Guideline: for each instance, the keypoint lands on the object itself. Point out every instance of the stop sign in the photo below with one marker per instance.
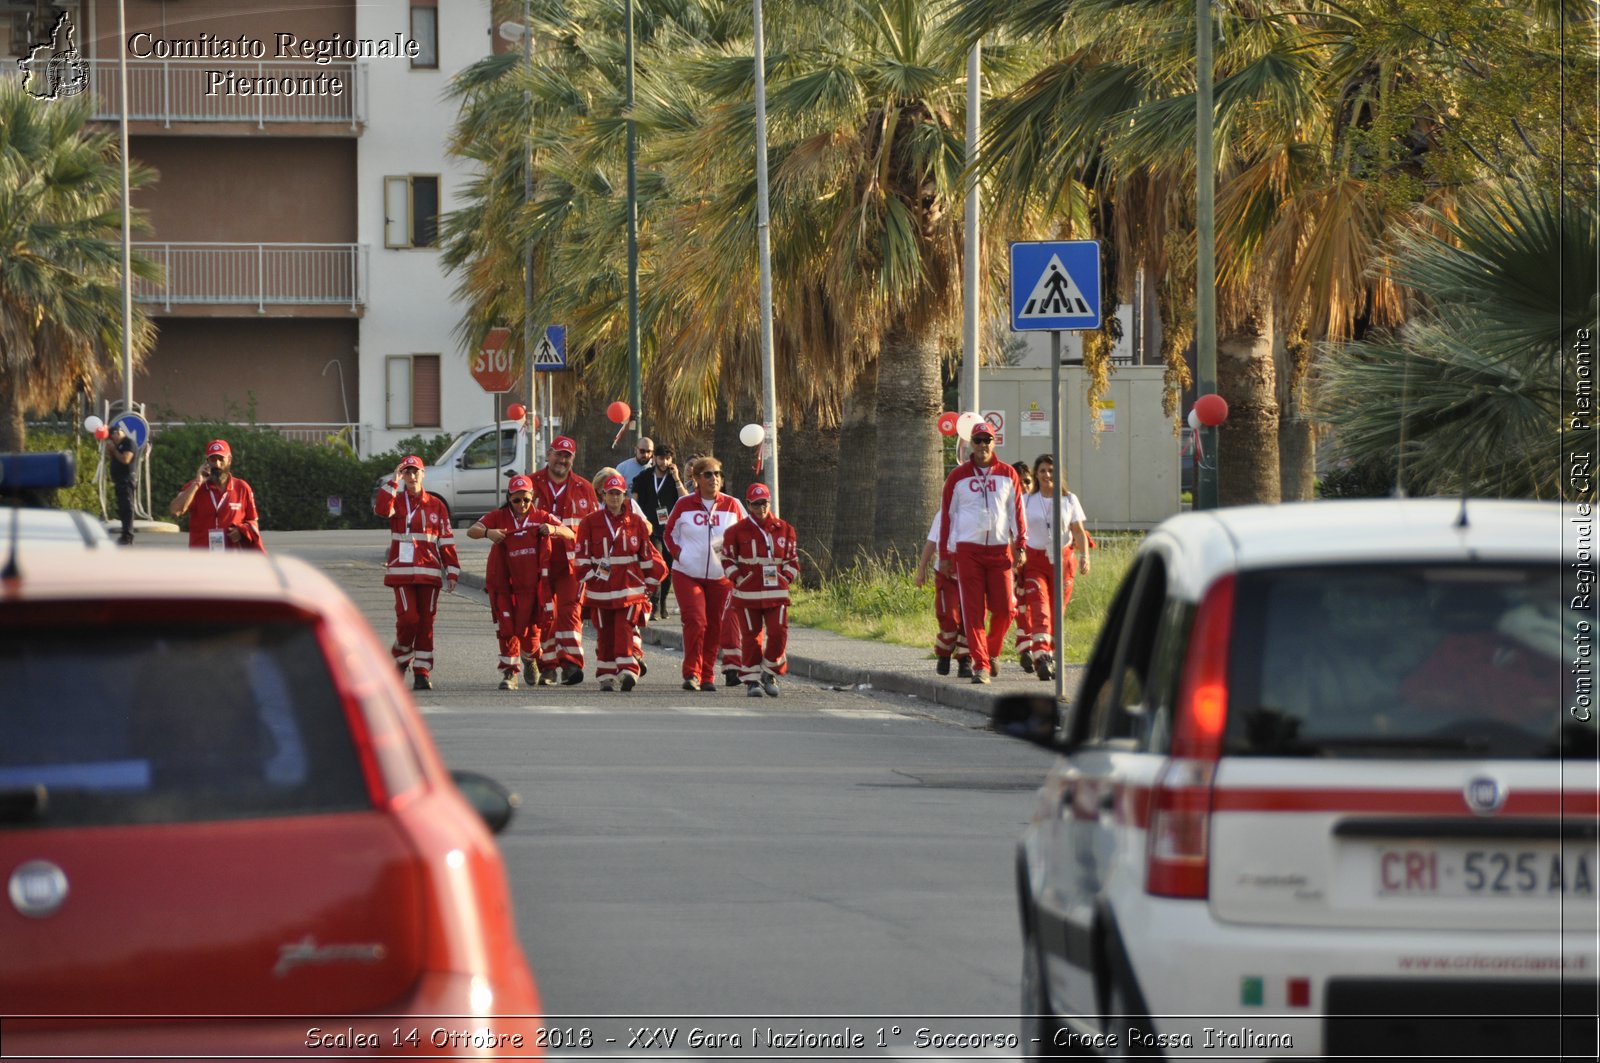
(492, 367)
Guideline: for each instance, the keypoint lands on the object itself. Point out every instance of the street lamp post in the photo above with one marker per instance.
(635, 383)
(1205, 272)
(769, 386)
(512, 32)
(127, 213)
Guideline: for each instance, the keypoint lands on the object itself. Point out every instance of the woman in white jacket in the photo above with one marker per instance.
(694, 535)
(1046, 513)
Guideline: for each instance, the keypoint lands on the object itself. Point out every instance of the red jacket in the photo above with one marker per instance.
(423, 523)
(572, 501)
(982, 505)
(232, 506)
(762, 559)
(618, 563)
(517, 562)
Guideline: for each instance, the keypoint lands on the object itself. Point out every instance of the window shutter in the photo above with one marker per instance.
(425, 387)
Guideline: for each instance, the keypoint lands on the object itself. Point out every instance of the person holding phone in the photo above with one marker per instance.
(221, 507)
(422, 558)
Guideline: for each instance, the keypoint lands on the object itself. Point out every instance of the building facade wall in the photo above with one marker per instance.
(223, 368)
(411, 308)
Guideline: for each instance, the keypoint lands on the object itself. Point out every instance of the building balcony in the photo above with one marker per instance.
(282, 279)
(233, 97)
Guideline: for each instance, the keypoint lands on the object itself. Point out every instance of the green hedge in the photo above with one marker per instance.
(292, 481)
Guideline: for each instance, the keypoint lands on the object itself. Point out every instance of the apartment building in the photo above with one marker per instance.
(301, 152)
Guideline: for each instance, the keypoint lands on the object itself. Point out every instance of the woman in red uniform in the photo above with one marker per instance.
(762, 559)
(694, 535)
(422, 556)
(516, 569)
(620, 568)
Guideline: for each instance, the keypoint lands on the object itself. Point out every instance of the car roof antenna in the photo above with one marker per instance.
(12, 573)
(1399, 490)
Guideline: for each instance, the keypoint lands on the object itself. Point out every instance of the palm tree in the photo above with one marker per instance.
(61, 267)
(1475, 394)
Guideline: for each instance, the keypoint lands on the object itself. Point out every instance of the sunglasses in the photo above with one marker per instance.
(522, 500)
(711, 472)
(758, 503)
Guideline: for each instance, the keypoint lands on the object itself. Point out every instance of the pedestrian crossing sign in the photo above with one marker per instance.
(550, 353)
(1055, 285)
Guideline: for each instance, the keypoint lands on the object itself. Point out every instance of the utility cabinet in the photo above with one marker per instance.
(1127, 474)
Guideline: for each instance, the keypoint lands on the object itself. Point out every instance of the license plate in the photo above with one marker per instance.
(1485, 871)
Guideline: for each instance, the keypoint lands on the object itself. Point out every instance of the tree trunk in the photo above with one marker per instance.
(13, 430)
(856, 498)
(808, 456)
(1297, 441)
(738, 460)
(910, 396)
(1247, 447)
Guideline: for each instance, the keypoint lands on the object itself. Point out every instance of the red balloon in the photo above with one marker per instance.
(947, 423)
(102, 432)
(619, 412)
(1211, 409)
(516, 411)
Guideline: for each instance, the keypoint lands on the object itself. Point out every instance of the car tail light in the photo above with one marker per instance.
(387, 757)
(1179, 844)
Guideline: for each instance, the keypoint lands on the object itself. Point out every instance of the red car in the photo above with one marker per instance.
(224, 827)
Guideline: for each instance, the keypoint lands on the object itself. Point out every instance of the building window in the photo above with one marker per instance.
(413, 391)
(411, 211)
(425, 31)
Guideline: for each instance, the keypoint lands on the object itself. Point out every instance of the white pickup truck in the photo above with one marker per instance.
(465, 476)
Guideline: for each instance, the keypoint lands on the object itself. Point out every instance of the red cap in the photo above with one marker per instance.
(614, 483)
(411, 461)
(520, 483)
(984, 428)
(564, 443)
(758, 491)
(219, 446)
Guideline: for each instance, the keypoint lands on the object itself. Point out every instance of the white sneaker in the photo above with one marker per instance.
(770, 685)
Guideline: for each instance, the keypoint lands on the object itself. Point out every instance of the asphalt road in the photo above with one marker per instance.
(681, 861)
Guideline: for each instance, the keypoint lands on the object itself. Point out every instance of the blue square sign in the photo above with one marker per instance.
(1055, 285)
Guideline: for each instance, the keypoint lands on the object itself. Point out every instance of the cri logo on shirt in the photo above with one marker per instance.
(702, 520)
(978, 486)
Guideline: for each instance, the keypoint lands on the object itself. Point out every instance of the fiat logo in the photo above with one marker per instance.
(1484, 795)
(37, 888)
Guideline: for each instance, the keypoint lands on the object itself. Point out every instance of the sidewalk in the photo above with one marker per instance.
(824, 657)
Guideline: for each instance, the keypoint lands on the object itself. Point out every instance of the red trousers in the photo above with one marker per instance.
(984, 573)
(701, 604)
(516, 626)
(415, 605)
(563, 629)
(732, 656)
(616, 634)
(952, 638)
(762, 656)
(1038, 623)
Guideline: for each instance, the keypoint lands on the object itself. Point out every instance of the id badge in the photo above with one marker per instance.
(662, 514)
(408, 553)
(217, 539)
(602, 570)
(769, 575)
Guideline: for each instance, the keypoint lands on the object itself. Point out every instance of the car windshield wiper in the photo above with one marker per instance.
(22, 803)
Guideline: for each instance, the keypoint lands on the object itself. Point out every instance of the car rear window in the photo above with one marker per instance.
(171, 724)
(1426, 661)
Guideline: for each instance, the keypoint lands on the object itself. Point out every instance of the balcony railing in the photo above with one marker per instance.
(262, 274)
(262, 92)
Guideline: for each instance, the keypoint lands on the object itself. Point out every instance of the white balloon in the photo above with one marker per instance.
(752, 435)
(1194, 419)
(965, 424)
(91, 422)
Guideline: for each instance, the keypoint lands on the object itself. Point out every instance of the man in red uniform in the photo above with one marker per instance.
(984, 531)
(515, 574)
(422, 556)
(221, 507)
(620, 568)
(571, 498)
(761, 557)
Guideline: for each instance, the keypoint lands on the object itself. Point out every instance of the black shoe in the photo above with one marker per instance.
(942, 665)
(1046, 670)
(402, 670)
(420, 681)
(1027, 662)
(730, 678)
(547, 678)
(628, 682)
(124, 540)
(530, 674)
(708, 686)
(644, 669)
(994, 670)
(571, 675)
(964, 668)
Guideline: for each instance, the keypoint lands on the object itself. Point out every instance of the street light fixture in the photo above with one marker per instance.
(522, 33)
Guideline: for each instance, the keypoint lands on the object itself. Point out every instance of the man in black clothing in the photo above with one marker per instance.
(120, 456)
(657, 489)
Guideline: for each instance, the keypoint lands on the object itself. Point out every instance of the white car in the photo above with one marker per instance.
(1328, 788)
(51, 528)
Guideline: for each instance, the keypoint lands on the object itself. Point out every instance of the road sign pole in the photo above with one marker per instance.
(1059, 457)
